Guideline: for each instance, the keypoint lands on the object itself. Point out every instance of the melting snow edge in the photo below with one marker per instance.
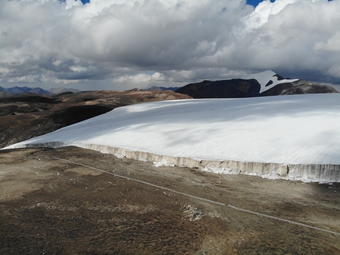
(325, 173)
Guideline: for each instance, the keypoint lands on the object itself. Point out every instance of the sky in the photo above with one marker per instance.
(125, 44)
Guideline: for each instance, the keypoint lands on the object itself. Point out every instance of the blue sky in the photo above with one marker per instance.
(255, 2)
(122, 44)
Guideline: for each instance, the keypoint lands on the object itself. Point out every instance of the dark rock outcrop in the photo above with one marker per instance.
(222, 89)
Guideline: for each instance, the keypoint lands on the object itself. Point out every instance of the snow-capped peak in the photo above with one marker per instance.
(268, 79)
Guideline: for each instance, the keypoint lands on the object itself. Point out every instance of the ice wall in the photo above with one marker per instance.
(301, 172)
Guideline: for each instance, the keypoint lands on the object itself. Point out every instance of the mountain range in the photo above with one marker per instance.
(267, 83)
(20, 90)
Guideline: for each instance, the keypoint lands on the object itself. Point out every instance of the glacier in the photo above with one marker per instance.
(293, 137)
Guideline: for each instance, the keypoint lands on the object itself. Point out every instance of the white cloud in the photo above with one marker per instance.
(332, 44)
(140, 80)
(263, 11)
(111, 43)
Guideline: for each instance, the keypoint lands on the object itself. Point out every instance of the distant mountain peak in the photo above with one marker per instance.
(63, 90)
(268, 79)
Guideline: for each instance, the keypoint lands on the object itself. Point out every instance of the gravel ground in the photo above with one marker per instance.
(92, 203)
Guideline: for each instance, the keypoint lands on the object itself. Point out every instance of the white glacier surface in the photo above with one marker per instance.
(271, 135)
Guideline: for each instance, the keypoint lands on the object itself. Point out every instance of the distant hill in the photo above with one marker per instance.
(20, 90)
(61, 90)
(267, 83)
(163, 88)
(4, 94)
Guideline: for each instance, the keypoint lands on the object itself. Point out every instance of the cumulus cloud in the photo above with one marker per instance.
(114, 44)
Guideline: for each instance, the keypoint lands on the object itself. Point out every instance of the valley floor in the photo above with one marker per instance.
(76, 201)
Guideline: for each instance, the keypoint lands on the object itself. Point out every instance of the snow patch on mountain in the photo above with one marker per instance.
(268, 79)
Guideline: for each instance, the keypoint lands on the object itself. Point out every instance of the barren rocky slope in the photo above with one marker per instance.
(29, 115)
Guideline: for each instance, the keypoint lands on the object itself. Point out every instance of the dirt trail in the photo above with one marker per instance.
(53, 206)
